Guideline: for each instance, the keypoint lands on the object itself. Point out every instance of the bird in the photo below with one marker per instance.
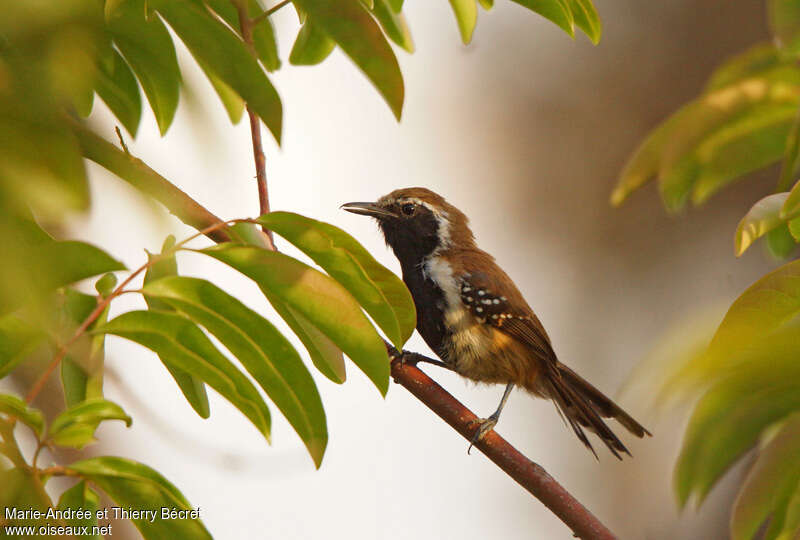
(473, 316)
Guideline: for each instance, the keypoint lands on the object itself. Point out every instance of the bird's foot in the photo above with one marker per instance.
(485, 425)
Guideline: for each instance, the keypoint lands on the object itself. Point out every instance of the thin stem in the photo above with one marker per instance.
(103, 303)
(270, 11)
(246, 25)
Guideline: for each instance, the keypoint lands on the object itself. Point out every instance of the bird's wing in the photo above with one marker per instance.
(498, 303)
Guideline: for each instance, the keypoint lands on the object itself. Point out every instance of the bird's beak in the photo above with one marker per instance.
(367, 209)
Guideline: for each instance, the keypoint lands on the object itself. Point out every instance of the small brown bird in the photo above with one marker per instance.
(472, 316)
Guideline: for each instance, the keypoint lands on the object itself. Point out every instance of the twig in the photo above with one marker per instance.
(122, 141)
(270, 11)
(103, 303)
(527, 473)
(246, 24)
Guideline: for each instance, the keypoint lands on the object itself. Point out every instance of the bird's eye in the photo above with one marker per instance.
(408, 209)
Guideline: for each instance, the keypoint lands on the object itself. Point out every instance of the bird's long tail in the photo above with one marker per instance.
(584, 406)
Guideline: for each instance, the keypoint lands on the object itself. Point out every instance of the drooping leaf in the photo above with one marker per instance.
(13, 406)
(192, 387)
(466, 12)
(770, 484)
(311, 46)
(587, 19)
(233, 103)
(105, 285)
(393, 24)
(147, 46)
(382, 294)
(263, 33)
(486, 4)
(81, 498)
(18, 339)
(229, 59)
(319, 299)
(700, 147)
(324, 353)
(117, 87)
(730, 417)
(791, 157)
(784, 22)
(76, 426)
(794, 229)
(752, 62)
(759, 220)
(21, 491)
(763, 308)
(178, 340)
(82, 366)
(557, 11)
(743, 146)
(134, 485)
(791, 208)
(396, 5)
(259, 346)
(354, 30)
(780, 242)
(49, 265)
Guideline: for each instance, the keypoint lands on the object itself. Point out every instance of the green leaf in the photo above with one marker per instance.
(233, 103)
(147, 46)
(700, 146)
(791, 208)
(311, 46)
(466, 12)
(791, 157)
(794, 229)
(82, 367)
(763, 308)
(324, 353)
(263, 33)
(761, 388)
(134, 485)
(259, 346)
(393, 24)
(396, 5)
(105, 285)
(486, 4)
(75, 427)
(752, 62)
(587, 19)
(770, 484)
(784, 22)
(742, 146)
(117, 87)
(354, 30)
(21, 491)
(13, 406)
(228, 58)
(192, 388)
(81, 498)
(780, 242)
(178, 340)
(557, 11)
(319, 299)
(759, 220)
(382, 294)
(18, 339)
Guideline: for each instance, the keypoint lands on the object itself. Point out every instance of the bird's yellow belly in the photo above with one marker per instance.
(485, 354)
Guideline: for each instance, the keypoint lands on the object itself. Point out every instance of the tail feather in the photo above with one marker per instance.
(584, 406)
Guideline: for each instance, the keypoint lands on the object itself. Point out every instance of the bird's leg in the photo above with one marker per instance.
(407, 357)
(486, 424)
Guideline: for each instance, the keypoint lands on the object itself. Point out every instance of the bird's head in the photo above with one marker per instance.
(416, 222)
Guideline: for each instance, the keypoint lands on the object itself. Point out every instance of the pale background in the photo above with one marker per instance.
(524, 130)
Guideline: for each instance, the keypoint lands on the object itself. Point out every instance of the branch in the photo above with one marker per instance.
(527, 473)
(246, 24)
(139, 175)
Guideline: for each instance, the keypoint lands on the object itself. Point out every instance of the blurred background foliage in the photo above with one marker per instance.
(748, 375)
(56, 58)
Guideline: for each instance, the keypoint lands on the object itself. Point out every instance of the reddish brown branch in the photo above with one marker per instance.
(527, 473)
(246, 25)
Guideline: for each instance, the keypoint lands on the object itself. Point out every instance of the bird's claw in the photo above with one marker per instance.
(485, 425)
